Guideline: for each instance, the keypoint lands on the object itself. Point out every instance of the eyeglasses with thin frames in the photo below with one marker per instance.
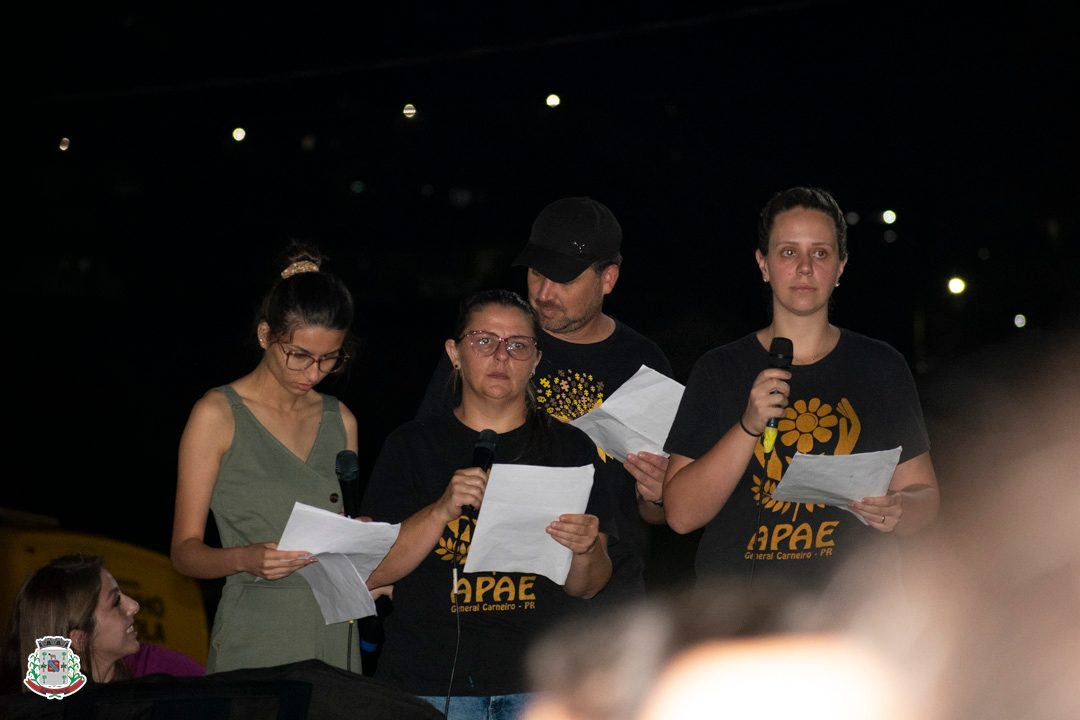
(484, 344)
(300, 360)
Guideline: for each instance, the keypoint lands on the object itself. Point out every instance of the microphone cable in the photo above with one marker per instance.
(483, 457)
(348, 648)
(753, 558)
(457, 621)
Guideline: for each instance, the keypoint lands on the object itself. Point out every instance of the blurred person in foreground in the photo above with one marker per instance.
(998, 605)
(715, 650)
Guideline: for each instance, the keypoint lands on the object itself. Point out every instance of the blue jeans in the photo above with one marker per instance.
(481, 707)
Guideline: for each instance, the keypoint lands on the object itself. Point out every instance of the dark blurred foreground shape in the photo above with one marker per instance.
(307, 690)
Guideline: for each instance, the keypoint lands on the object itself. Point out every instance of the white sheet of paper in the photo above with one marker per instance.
(338, 588)
(837, 479)
(348, 550)
(637, 417)
(519, 503)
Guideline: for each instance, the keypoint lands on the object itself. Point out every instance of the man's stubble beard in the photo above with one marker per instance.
(564, 324)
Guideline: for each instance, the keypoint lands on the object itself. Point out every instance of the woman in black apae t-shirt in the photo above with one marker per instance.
(844, 394)
(470, 645)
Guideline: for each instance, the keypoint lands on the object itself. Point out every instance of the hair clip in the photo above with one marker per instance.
(300, 266)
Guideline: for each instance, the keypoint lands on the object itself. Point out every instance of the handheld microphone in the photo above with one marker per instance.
(482, 457)
(781, 351)
(347, 467)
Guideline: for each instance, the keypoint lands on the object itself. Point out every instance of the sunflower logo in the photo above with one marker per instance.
(806, 422)
(764, 484)
(762, 490)
(454, 546)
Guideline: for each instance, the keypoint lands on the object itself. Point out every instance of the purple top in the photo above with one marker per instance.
(151, 659)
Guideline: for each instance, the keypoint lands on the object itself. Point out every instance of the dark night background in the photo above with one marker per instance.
(135, 259)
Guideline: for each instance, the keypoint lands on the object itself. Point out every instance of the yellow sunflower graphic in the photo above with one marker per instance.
(764, 484)
(762, 490)
(806, 422)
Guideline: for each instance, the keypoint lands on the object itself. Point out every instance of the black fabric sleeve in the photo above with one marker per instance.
(631, 346)
(698, 422)
(660, 363)
(606, 476)
(910, 423)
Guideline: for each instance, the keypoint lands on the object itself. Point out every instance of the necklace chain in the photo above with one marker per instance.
(818, 355)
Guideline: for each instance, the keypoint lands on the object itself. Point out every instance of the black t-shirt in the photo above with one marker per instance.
(858, 398)
(500, 612)
(572, 379)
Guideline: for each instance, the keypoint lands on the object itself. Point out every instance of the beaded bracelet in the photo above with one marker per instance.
(747, 430)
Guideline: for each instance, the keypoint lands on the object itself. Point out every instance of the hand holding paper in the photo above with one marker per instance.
(576, 531)
(648, 470)
(837, 479)
(348, 550)
(637, 416)
(519, 504)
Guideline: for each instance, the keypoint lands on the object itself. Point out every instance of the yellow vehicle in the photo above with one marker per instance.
(172, 611)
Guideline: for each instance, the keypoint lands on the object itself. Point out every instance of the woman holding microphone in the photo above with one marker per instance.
(458, 640)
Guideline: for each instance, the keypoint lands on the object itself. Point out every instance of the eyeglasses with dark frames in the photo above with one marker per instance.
(484, 344)
(299, 360)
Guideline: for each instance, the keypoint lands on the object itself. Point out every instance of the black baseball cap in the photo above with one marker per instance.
(568, 236)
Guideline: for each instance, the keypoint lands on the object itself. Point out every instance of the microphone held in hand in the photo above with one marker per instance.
(483, 456)
(781, 351)
(484, 450)
(347, 467)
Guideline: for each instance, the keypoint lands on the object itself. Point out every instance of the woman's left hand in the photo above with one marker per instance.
(577, 532)
(881, 513)
(382, 591)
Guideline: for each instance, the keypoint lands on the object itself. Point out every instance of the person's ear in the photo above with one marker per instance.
(79, 639)
(263, 334)
(452, 353)
(761, 265)
(608, 277)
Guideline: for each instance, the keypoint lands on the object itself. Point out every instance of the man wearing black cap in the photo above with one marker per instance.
(573, 257)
